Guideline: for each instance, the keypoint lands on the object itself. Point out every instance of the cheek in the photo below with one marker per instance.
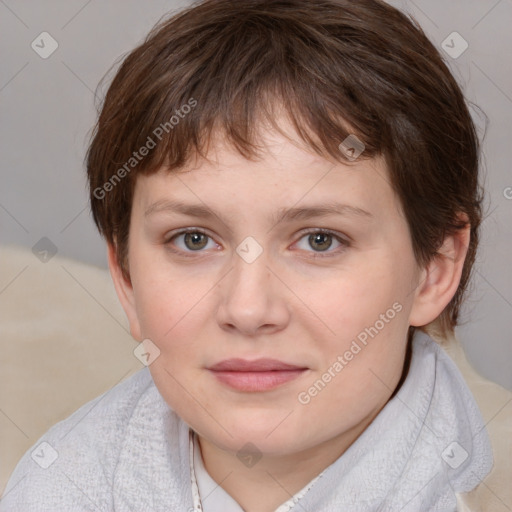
(168, 301)
(171, 316)
(365, 322)
(355, 300)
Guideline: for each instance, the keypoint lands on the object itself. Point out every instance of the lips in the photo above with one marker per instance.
(258, 375)
(258, 365)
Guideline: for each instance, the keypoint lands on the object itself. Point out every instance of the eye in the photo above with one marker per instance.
(194, 240)
(321, 240)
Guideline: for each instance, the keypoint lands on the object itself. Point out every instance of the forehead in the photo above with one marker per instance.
(286, 173)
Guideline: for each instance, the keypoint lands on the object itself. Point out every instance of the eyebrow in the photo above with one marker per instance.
(281, 215)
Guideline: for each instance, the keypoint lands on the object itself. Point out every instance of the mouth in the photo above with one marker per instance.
(257, 375)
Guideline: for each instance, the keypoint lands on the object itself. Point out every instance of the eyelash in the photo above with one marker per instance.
(314, 254)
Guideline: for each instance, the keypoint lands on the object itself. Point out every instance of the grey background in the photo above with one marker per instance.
(47, 110)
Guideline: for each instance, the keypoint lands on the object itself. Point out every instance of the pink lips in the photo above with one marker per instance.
(257, 375)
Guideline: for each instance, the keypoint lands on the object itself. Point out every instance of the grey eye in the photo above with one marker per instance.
(322, 241)
(195, 240)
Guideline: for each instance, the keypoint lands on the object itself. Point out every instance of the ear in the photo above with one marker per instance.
(124, 292)
(440, 279)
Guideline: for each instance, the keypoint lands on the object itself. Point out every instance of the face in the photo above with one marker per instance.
(303, 261)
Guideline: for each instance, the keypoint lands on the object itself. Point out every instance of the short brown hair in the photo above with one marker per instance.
(338, 67)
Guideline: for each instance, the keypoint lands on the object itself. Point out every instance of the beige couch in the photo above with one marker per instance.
(65, 340)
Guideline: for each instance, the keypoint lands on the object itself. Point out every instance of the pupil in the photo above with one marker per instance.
(195, 237)
(318, 237)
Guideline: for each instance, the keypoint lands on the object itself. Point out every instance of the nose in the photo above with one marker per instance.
(253, 298)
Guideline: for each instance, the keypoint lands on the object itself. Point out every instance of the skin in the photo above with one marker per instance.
(212, 305)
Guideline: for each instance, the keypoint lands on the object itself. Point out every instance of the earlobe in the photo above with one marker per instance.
(124, 292)
(440, 279)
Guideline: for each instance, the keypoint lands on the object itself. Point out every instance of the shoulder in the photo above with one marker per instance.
(71, 467)
(495, 404)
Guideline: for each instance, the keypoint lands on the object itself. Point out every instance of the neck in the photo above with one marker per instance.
(280, 477)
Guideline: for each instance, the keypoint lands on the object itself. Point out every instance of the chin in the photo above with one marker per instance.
(264, 436)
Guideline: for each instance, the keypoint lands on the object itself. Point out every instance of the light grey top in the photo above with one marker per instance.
(126, 450)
